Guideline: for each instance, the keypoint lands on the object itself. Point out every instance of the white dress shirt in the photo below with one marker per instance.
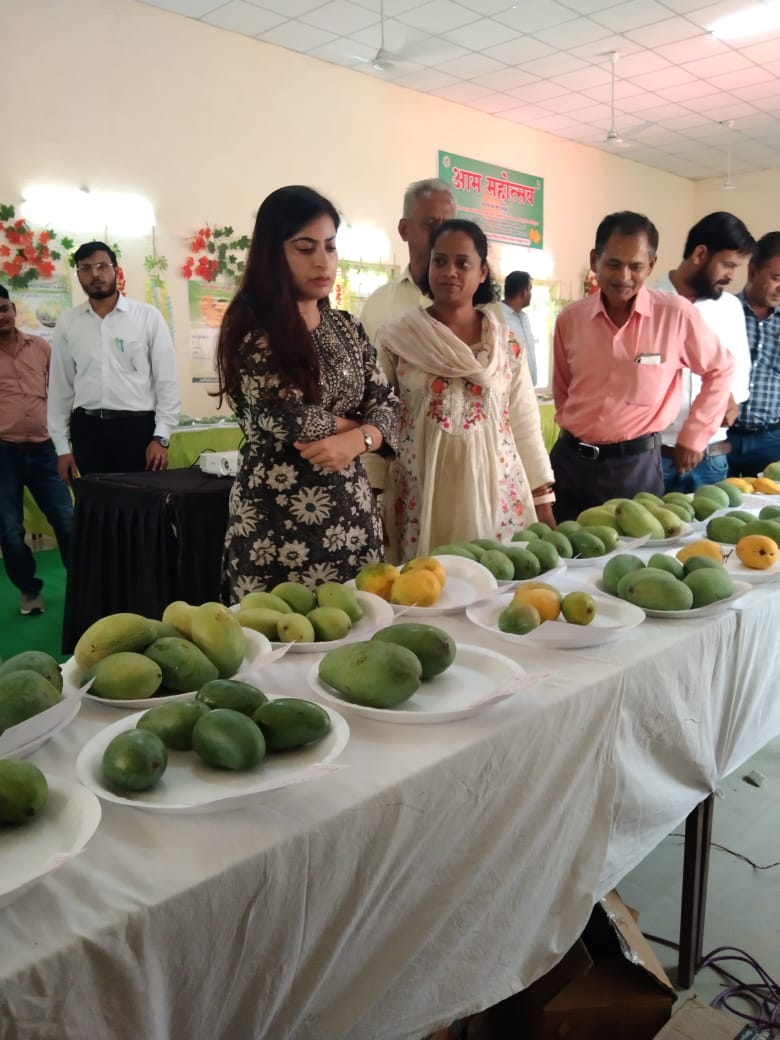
(124, 362)
(519, 324)
(390, 302)
(724, 316)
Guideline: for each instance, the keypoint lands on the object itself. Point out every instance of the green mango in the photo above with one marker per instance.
(499, 564)
(561, 543)
(733, 493)
(705, 505)
(434, 648)
(23, 694)
(669, 520)
(772, 471)
(766, 513)
(524, 536)
(329, 623)
(608, 535)
(179, 616)
(265, 601)
(231, 693)
(568, 527)
(113, 634)
(174, 723)
(453, 550)
(539, 527)
(716, 493)
(586, 545)
(34, 661)
(616, 567)
(333, 594)
(299, 597)
(635, 521)
(685, 513)
(24, 791)
(289, 722)
(376, 673)
(742, 514)
(597, 516)
(648, 498)
(161, 629)
(725, 529)
(708, 585)
(698, 563)
(134, 760)
(184, 667)
(546, 554)
(667, 563)
(218, 633)
(655, 589)
(771, 528)
(525, 564)
(296, 628)
(262, 620)
(519, 618)
(126, 676)
(484, 543)
(228, 739)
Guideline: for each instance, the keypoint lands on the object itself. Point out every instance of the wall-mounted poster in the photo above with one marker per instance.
(208, 303)
(507, 205)
(40, 304)
(356, 280)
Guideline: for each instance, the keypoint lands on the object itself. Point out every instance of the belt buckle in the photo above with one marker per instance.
(593, 448)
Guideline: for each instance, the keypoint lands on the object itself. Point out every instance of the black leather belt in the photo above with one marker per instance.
(756, 429)
(111, 413)
(718, 448)
(636, 446)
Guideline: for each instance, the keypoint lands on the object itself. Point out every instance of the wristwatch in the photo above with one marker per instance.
(162, 441)
(368, 440)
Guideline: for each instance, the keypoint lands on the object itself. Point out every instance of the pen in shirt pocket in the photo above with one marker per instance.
(120, 345)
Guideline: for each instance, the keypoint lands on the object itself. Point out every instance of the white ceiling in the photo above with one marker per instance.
(544, 64)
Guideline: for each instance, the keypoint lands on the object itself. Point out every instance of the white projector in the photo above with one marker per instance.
(219, 463)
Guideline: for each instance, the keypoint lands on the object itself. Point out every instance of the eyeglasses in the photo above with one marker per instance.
(97, 268)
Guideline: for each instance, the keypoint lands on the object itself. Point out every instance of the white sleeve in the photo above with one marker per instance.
(165, 377)
(737, 343)
(59, 405)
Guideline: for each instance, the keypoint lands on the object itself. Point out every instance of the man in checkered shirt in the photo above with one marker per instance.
(755, 436)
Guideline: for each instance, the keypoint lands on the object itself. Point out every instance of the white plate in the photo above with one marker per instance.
(614, 617)
(476, 679)
(257, 647)
(740, 588)
(739, 571)
(659, 543)
(32, 850)
(24, 738)
(554, 572)
(377, 613)
(189, 786)
(467, 582)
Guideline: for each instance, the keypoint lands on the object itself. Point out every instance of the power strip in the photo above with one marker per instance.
(219, 463)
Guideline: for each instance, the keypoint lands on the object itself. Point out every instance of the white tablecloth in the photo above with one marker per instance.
(443, 869)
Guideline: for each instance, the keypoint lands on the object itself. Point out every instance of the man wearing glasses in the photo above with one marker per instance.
(114, 394)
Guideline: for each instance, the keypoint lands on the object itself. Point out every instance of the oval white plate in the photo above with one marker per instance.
(740, 588)
(189, 786)
(377, 613)
(32, 850)
(257, 647)
(468, 686)
(467, 581)
(21, 740)
(739, 571)
(554, 572)
(659, 543)
(614, 617)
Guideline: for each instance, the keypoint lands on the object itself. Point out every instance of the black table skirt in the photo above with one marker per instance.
(142, 540)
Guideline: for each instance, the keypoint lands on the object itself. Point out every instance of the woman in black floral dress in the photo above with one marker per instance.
(310, 398)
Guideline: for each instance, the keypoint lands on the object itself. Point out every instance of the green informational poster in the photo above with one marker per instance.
(40, 304)
(507, 205)
(208, 303)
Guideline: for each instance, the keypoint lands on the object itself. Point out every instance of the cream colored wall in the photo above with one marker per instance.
(205, 123)
(756, 200)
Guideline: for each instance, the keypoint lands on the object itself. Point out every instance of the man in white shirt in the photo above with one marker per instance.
(715, 248)
(113, 388)
(427, 204)
(518, 289)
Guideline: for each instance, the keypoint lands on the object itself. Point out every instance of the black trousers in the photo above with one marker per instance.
(581, 483)
(116, 445)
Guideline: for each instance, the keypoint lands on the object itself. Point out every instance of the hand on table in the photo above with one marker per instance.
(156, 456)
(67, 469)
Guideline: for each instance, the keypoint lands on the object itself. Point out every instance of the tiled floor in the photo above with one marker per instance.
(743, 904)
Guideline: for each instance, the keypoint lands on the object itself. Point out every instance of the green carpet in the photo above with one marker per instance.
(36, 631)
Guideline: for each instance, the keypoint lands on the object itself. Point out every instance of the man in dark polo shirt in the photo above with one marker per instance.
(114, 392)
(27, 455)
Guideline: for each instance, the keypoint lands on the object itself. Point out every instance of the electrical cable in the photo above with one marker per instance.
(762, 997)
(738, 855)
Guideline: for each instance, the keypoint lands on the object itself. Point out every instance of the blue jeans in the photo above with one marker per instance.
(751, 453)
(33, 466)
(709, 471)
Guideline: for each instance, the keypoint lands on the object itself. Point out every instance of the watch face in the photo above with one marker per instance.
(163, 441)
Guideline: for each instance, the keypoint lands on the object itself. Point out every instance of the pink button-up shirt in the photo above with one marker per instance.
(24, 377)
(613, 384)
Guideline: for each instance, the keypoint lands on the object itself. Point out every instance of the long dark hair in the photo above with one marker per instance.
(485, 292)
(266, 303)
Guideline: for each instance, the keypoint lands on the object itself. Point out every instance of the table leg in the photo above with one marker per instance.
(698, 832)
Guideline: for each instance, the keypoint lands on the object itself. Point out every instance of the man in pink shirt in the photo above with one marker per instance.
(618, 361)
(27, 455)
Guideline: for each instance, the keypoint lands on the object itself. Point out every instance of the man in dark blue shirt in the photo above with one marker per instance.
(755, 436)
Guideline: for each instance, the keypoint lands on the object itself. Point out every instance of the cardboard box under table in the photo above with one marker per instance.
(697, 1021)
(609, 986)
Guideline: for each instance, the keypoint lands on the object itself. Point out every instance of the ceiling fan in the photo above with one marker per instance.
(410, 54)
(613, 138)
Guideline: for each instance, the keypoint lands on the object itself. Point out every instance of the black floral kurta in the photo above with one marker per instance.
(290, 520)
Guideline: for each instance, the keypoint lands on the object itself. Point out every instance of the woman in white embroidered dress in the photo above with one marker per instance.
(471, 461)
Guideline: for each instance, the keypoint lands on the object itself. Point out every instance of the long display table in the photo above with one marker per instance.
(443, 868)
